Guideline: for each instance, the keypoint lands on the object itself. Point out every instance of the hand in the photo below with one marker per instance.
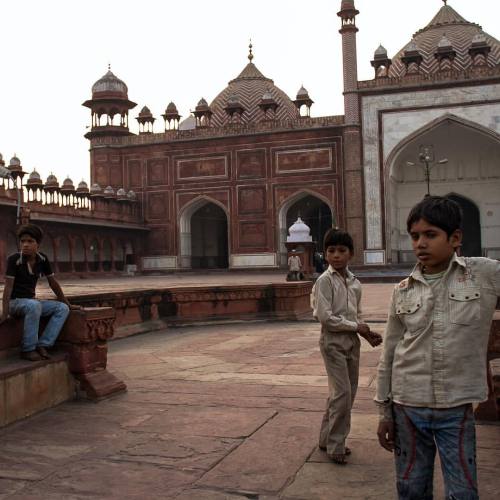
(385, 433)
(374, 339)
(363, 329)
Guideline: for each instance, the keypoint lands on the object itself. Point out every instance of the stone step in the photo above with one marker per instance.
(27, 387)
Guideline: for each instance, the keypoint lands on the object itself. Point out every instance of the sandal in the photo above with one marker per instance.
(338, 458)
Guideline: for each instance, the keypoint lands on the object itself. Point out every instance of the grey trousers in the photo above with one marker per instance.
(340, 353)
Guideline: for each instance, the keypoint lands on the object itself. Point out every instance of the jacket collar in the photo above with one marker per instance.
(333, 271)
(417, 274)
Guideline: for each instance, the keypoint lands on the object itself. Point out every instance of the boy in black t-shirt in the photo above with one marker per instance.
(23, 270)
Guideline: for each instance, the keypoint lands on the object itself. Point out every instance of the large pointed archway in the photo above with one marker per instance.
(312, 209)
(204, 235)
(471, 173)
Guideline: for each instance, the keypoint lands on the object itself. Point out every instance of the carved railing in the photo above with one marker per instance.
(429, 79)
(72, 205)
(228, 130)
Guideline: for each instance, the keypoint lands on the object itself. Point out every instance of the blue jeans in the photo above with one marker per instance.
(418, 431)
(32, 310)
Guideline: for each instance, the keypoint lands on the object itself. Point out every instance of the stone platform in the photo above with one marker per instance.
(222, 412)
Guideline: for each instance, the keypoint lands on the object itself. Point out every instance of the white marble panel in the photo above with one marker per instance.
(159, 262)
(252, 260)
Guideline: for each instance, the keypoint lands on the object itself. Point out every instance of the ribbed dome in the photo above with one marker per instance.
(381, 51)
(67, 186)
(34, 180)
(51, 180)
(459, 32)
(15, 162)
(145, 112)
(249, 86)
(82, 189)
(95, 189)
(109, 192)
(110, 84)
(171, 108)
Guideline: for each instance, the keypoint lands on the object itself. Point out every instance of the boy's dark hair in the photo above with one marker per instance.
(335, 236)
(439, 211)
(31, 230)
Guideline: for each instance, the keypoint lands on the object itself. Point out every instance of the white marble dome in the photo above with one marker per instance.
(299, 232)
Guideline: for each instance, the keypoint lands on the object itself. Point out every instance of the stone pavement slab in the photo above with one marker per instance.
(221, 412)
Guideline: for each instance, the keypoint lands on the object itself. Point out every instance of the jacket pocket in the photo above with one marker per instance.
(465, 306)
(411, 314)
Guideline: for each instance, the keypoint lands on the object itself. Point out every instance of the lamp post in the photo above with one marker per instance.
(426, 157)
(5, 173)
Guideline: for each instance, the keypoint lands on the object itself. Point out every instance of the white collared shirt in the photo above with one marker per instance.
(336, 301)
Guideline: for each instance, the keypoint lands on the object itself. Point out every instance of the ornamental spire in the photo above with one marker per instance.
(250, 54)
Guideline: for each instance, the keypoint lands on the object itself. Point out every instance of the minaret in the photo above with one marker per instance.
(352, 167)
(348, 31)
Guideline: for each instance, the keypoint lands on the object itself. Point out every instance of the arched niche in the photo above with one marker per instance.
(471, 172)
(93, 255)
(204, 237)
(64, 255)
(107, 255)
(313, 209)
(79, 259)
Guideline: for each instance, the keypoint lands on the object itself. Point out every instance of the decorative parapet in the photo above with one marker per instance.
(232, 129)
(429, 79)
(74, 209)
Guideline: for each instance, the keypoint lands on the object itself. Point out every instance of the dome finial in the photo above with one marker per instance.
(445, 2)
(250, 54)
(109, 66)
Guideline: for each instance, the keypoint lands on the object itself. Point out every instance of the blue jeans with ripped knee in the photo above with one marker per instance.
(418, 432)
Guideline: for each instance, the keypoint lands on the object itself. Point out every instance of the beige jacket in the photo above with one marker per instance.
(436, 339)
(336, 302)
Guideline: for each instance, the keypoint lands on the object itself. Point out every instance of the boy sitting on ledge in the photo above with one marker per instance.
(23, 270)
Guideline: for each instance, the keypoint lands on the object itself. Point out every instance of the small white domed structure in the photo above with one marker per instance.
(299, 232)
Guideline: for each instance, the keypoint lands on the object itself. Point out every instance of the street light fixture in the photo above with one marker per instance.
(5, 173)
(426, 157)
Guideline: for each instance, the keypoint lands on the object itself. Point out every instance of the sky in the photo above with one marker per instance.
(52, 51)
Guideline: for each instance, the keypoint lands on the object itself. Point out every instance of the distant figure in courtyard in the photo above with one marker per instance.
(294, 267)
(21, 277)
(335, 299)
(433, 365)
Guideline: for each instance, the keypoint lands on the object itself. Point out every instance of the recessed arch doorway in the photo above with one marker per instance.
(471, 176)
(313, 210)
(204, 235)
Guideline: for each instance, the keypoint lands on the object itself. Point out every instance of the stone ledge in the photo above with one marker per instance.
(190, 305)
(29, 387)
(83, 340)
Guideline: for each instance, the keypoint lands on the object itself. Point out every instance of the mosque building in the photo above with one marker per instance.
(220, 188)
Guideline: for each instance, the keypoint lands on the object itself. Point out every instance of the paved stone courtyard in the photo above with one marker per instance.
(214, 412)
